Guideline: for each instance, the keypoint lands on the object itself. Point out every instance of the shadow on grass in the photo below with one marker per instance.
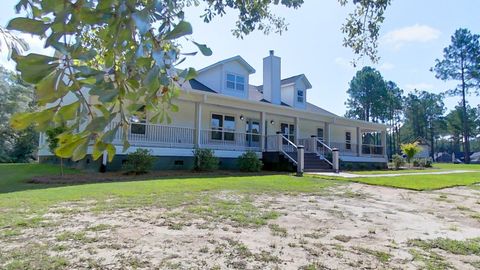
(22, 177)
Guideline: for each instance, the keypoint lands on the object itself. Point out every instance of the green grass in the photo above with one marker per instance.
(416, 182)
(18, 198)
(437, 167)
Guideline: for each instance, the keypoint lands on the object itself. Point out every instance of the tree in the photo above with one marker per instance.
(423, 117)
(461, 63)
(410, 150)
(15, 96)
(126, 53)
(365, 91)
(454, 120)
(53, 140)
(393, 113)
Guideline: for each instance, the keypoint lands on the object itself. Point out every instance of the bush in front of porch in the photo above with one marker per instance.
(249, 162)
(205, 159)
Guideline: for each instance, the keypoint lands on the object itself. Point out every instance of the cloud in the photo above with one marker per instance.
(419, 86)
(35, 45)
(410, 34)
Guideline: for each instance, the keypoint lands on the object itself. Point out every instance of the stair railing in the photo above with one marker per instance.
(320, 150)
(299, 149)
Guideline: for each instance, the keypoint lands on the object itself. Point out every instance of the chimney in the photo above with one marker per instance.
(271, 78)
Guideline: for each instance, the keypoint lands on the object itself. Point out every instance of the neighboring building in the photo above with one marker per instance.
(221, 110)
(475, 158)
(425, 148)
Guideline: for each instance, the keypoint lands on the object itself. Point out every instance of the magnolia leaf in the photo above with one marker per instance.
(141, 20)
(203, 49)
(174, 108)
(97, 124)
(21, 121)
(27, 25)
(181, 29)
(111, 151)
(109, 136)
(105, 95)
(68, 144)
(68, 112)
(81, 150)
(189, 74)
(50, 88)
(98, 149)
(34, 67)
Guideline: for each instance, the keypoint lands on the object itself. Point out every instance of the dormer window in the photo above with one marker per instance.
(300, 96)
(235, 82)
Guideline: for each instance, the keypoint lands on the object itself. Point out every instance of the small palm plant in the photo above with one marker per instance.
(410, 150)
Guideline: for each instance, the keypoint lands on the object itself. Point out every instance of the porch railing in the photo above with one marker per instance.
(230, 140)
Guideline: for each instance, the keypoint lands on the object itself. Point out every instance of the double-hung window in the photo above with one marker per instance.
(223, 127)
(348, 140)
(235, 82)
(139, 127)
(300, 96)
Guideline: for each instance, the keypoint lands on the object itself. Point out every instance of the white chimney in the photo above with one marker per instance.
(271, 78)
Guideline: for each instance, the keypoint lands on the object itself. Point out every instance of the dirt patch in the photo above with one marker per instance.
(349, 227)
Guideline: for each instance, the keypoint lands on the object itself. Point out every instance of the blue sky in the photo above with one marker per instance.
(412, 37)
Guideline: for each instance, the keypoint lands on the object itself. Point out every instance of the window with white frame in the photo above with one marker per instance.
(300, 96)
(235, 82)
(223, 127)
(348, 140)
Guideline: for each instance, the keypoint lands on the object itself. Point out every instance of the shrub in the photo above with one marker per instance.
(249, 162)
(139, 162)
(398, 161)
(423, 162)
(205, 160)
(410, 150)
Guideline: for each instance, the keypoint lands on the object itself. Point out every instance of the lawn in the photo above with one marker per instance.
(438, 167)
(19, 199)
(416, 182)
(205, 221)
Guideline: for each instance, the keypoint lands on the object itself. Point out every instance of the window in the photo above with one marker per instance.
(223, 127)
(320, 134)
(289, 131)
(252, 128)
(139, 127)
(235, 82)
(300, 96)
(348, 140)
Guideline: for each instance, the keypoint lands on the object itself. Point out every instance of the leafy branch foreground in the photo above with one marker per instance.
(117, 56)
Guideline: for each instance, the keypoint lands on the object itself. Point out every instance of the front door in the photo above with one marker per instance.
(252, 128)
(288, 130)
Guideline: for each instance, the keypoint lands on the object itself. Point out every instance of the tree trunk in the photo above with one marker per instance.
(61, 166)
(432, 142)
(466, 142)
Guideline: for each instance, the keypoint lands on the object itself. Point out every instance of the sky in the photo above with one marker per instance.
(412, 37)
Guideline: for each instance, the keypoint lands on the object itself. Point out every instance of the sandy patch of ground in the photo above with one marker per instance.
(351, 226)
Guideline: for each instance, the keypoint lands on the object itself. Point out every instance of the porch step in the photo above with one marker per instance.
(313, 163)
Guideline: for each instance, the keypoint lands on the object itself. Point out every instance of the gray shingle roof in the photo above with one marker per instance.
(282, 82)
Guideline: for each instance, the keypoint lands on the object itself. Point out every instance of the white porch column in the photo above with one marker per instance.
(263, 135)
(297, 130)
(384, 143)
(198, 124)
(359, 141)
(326, 136)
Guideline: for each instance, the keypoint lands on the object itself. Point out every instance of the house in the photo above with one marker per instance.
(425, 148)
(220, 109)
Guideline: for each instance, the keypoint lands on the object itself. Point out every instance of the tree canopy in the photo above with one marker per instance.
(461, 62)
(125, 53)
(366, 89)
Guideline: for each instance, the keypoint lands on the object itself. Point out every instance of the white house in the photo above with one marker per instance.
(222, 111)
